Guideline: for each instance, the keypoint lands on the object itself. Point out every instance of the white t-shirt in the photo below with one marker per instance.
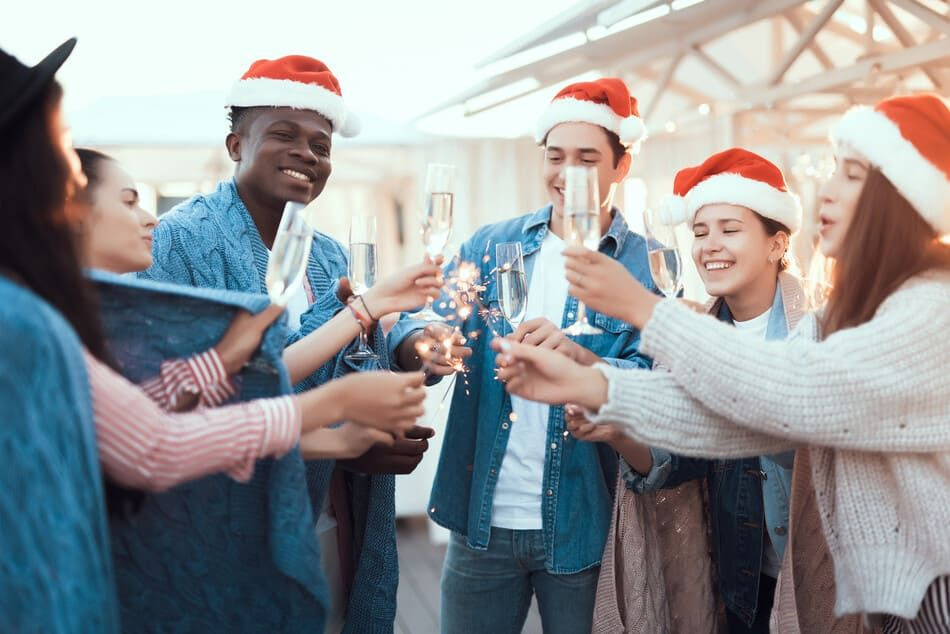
(517, 503)
(757, 327)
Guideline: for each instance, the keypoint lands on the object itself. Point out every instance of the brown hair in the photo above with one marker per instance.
(772, 227)
(887, 243)
(37, 243)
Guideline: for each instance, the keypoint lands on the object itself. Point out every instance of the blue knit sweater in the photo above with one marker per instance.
(211, 241)
(55, 569)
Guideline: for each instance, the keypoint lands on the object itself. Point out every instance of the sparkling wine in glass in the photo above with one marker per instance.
(437, 220)
(290, 254)
(666, 265)
(362, 273)
(581, 227)
(512, 282)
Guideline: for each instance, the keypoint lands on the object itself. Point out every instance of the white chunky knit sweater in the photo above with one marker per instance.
(872, 402)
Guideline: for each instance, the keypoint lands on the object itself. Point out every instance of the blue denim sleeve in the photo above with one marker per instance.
(668, 471)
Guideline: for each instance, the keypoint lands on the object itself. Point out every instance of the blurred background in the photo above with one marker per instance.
(463, 83)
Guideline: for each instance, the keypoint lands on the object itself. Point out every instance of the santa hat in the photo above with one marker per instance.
(908, 139)
(605, 102)
(733, 177)
(295, 81)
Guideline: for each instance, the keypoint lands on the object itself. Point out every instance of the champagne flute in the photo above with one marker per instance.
(581, 227)
(291, 252)
(362, 272)
(511, 282)
(666, 266)
(437, 221)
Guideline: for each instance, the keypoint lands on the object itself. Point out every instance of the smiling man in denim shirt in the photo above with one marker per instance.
(529, 506)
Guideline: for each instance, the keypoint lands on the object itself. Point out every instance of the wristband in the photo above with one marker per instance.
(359, 317)
(366, 308)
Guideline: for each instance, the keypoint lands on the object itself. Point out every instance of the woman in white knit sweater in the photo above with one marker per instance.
(864, 384)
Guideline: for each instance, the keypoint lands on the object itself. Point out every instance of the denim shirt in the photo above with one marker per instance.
(579, 477)
(742, 495)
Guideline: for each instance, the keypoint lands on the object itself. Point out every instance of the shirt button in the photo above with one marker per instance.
(780, 530)
(566, 433)
(553, 445)
(550, 492)
(504, 425)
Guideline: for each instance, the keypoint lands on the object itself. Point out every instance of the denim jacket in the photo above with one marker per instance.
(579, 477)
(744, 495)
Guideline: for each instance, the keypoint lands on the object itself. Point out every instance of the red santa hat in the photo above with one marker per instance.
(605, 102)
(908, 139)
(295, 81)
(735, 177)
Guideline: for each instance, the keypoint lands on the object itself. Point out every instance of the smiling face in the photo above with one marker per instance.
(839, 199)
(732, 250)
(583, 144)
(117, 232)
(282, 154)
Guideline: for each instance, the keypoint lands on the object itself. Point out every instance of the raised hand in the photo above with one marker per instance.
(606, 286)
(543, 333)
(243, 337)
(385, 400)
(400, 457)
(583, 429)
(547, 376)
(345, 441)
(441, 349)
(406, 289)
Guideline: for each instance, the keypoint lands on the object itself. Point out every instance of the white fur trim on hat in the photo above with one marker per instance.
(918, 180)
(568, 110)
(285, 93)
(673, 210)
(733, 189)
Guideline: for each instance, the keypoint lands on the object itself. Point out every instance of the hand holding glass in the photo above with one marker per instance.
(511, 282)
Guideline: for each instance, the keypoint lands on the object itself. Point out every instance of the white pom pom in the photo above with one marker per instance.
(632, 130)
(351, 124)
(673, 211)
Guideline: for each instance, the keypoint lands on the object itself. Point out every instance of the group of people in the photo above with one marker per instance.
(709, 469)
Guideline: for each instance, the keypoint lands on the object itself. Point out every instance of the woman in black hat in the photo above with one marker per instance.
(60, 397)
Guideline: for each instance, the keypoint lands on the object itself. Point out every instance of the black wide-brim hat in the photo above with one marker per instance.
(21, 85)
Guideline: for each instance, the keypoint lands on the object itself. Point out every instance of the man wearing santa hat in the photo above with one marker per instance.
(528, 505)
(283, 114)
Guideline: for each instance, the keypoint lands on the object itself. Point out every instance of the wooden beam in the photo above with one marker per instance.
(661, 86)
(714, 66)
(925, 14)
(813, 46)
(842, 77)
(694, 95)
(843, 31)
(903, 36)
(804, 40)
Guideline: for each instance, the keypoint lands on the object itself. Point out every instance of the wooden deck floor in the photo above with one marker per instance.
(420, 567)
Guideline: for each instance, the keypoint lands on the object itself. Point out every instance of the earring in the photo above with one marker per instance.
(771, 260)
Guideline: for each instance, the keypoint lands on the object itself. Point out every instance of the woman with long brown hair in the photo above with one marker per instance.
(862, 385)
(58, 391)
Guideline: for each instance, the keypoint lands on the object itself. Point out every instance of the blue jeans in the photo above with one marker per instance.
(490, 590)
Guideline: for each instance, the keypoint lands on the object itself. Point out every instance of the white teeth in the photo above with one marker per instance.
(717, 266)
(297, 175)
